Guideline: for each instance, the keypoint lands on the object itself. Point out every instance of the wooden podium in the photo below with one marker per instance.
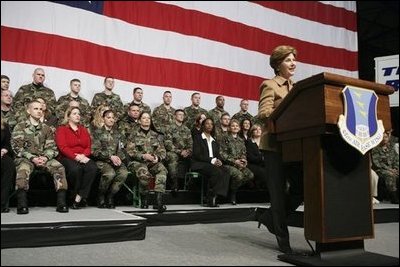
(338, 212)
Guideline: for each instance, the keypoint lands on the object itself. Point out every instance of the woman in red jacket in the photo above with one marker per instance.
(74, 143)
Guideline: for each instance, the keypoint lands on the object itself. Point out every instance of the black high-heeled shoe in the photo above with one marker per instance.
(265, 218)
(258, 213)
(284, 245)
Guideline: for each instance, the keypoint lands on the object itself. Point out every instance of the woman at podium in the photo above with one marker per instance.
(272, 92)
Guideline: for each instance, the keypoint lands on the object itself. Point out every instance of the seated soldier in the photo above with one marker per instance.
(178, 143)
(130, 123)
(108, 151)
(385, 162)
(147, 154)
(233, 154)
(35, 148)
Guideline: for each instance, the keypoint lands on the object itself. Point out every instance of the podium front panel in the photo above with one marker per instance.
(337, 200)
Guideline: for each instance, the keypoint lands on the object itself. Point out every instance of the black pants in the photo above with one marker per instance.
(7, 178)
(276, 188)
(293, 173)
(260, 174)
(217, 177)
(283, 203)
(80, 176)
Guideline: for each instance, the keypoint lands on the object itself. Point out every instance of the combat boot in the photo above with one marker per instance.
(22, 206)
(110, 201)
(101, 196)
(101, 203)
(61, 201)
(159, 206)
(144, 198)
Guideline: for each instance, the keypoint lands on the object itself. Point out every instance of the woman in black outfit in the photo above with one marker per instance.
(7, 165)
(255, 158)
(206, 160)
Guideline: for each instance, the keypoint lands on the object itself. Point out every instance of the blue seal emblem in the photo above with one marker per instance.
(359, 126)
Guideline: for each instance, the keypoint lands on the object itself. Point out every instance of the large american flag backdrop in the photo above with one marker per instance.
(213, 47)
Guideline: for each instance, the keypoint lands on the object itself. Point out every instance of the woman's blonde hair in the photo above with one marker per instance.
(279, 54)
(253, 128)
(98, 120)
(68, 113)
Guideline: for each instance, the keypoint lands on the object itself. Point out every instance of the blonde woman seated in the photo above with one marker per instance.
(109, 155)
(233, 154)
(255, 158)
(74, 143)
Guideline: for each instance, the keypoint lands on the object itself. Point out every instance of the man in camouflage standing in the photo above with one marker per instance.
(193, 110)
(64, 102)
(29, 92)
(5, 82)
(163, 115)
(109, 98)
(216, 113)
(137, 99)
(147, 154)
(178, 143)
(35, 148)
(243, 112)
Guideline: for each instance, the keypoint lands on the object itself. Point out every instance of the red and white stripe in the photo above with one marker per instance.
(211, 47)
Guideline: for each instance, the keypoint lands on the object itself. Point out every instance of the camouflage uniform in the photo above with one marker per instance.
(51, 121)
(10, 118)
(385, 158)
(127, 126)
(141, 143)
(84, 106)
(219, 134)
(113, 101)
(178, 138)
(142, 106)
(231, 150)
(105, 144)
(163, 118)
(241, 116)
(29, 141)
(29, 92)
(215, 114)
(191, 114)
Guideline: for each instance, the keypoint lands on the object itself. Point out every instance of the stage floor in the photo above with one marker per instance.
(43, 226)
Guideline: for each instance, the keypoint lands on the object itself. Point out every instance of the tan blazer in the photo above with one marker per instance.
(272, 93)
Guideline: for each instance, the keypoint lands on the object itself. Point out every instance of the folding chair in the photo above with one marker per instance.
(189, 176)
